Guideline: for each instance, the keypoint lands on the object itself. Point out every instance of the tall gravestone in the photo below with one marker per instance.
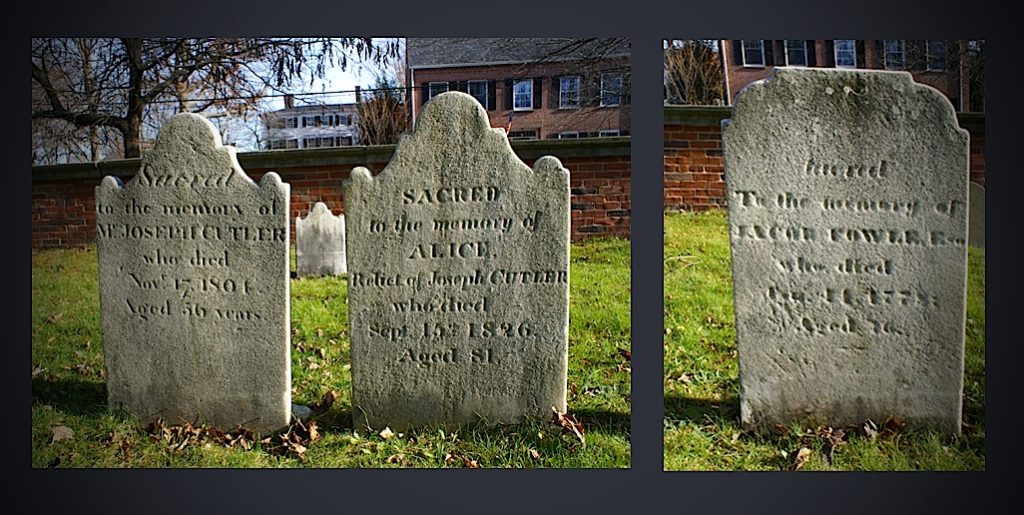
(458, 257)
(320, 243)
(847, 197)
(193, 267)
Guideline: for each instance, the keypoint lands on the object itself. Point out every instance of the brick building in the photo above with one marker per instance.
(545, 88)
(935, 63)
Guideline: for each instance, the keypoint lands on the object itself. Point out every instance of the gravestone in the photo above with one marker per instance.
(976, 217)
(847, 194)
(320, 243)
(458, 257)
(193, 268)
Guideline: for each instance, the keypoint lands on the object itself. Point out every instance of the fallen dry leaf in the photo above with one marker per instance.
(328, 401)
(534, 454)
(801, 458)
(627, 355)
(54, 318)
(61, 433)
(36, 370)
(569, 424)
(870, 429)
(892, 426)
(386, 433)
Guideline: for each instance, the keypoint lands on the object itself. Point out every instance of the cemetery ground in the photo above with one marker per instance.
(71, 426)
(702, 428)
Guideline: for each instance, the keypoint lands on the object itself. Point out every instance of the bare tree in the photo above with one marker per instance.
(100, 84)
(693, 72)
(382, 114)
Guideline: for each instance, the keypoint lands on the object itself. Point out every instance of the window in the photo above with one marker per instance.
(276, 144)
(522, 95)
(478, 89)
(523, 134)
(608, 133)
(436, 88)
(569, 92)
(753, 52)
(796, 52)
(291, 123)
(894, 56)
(611, 89)
(343, 119)
(344, 141)
(936, 51)
(568, 135)
(846, 53)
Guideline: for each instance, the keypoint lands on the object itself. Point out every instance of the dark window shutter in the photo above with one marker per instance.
(492, 95)
(769, 52)
(508, 93)
(830, 54)
(538, 93)
(812, 53)
(860, 53)
(916, 54)
(555, 102)
(424, 92)
(737, 51)
(626, 88)
(879, 59)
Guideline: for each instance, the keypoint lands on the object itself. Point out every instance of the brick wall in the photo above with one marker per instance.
(693, 168)
(63, 197)
(692, 161)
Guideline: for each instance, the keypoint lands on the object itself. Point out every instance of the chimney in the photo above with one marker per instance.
(289, 101)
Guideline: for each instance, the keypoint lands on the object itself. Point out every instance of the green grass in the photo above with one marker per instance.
(702, 428)
(68, 387)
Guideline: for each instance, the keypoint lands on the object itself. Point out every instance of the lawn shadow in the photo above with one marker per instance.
(611, 422)
(688, 409)
(70, 395)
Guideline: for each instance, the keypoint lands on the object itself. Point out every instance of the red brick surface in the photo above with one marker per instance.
(63, 211)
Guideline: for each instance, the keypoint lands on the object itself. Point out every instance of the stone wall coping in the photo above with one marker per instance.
(359, 155)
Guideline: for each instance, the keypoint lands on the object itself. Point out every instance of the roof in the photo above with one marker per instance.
(446, 52)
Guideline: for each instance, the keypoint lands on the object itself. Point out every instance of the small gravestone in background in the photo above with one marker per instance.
(320, 243)
(193, 267)
(847, 197)
(458, 257)
(976, 217)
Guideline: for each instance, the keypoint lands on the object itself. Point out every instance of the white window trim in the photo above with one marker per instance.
(487, 97)
(569, 135)
(743, 53)
(430, 89)
(535, 134)
(902, 52)
(579, 86)
(835, 54)
(928, 56)
(516, 83)
(609, 133)
(617, 94)
(785, 50)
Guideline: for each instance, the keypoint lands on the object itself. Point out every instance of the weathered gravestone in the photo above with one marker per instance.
(320, 243)
(976, 216)
(193, 266)
(458, 258)
(847, 199)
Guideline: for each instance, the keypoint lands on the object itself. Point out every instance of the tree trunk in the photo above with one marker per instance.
(131, 133)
